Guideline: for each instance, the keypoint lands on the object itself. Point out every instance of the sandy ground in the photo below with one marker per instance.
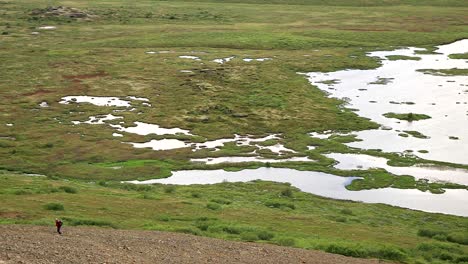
(39, 244)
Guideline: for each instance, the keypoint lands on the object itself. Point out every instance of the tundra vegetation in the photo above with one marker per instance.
(131, 48)
(410, 117)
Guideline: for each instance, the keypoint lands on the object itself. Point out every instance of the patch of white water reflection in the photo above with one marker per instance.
(441, 97)
(326, 134)
(327, 185)
(223, 60)
(147, 129)
(44, 104)
(189, 57)
(162, 144)
(277, 148)
(240, 140)
(219, 160)
(259, 59)
(364, 162)
(47, 27)
(160, 52)
(95, 100)
(139, 98)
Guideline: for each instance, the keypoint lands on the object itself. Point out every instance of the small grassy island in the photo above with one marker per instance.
(401, 57)
(410, 117)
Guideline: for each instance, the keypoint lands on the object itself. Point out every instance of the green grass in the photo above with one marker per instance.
(445, 72)
(462, 56)
(400, 57)
(410, 117)
(243, 213)
(415, 134)
(54, 207)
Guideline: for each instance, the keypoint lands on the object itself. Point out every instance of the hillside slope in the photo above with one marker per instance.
(39, 244)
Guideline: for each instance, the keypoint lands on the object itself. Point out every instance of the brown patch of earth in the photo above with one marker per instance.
(364, 29)
(39, 244)
(85, 76)
(39, 92)
(62, 11)
(11, 215)
(77, 84)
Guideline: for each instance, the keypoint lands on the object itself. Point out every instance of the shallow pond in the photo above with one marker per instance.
(401, 86)
(364, 162)
(327, 185)
(147, 129)
(95, 100)
(162, 144)
(219, 160)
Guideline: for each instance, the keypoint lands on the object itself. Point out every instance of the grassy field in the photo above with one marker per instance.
(106, 56)
(260, 211)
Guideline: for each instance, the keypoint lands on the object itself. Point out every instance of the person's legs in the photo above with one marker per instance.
(58, 230)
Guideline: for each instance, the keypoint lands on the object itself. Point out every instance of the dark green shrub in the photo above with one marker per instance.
(430, 233)
(360, 251)
(275, 204)
(213, 206)
(148, 196)
(188, 231)
(458, 238)
(232, 230)
(143, 187)
(54, 207)
(215, 229)
(164, 218)
(203, 223)
(287, 242)
(347, 211)
(390, 253)
(87, 222)
(203, 226)
(341, 219)
(445, 256)
(221, 201)
(265, 235)
(169, 189)
(205, 218)
(355, 251)
(249, 236)
(53, 190)
(22, 192)
(68, 189)
(440, 237)
(196, 195)
(102, 183)
(49, 145)
(287, 192)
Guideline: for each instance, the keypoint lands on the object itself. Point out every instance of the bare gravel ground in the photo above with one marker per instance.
(39, 244)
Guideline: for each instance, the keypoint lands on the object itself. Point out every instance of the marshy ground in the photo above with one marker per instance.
(215, 70)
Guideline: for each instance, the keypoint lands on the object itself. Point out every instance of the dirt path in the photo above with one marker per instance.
(38, 244)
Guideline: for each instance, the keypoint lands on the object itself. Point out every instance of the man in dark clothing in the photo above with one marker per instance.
(58, 224)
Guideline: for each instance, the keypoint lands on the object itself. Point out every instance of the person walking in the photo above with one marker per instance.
(58, 224)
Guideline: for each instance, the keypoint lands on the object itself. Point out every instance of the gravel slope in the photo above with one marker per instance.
(38, 244)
